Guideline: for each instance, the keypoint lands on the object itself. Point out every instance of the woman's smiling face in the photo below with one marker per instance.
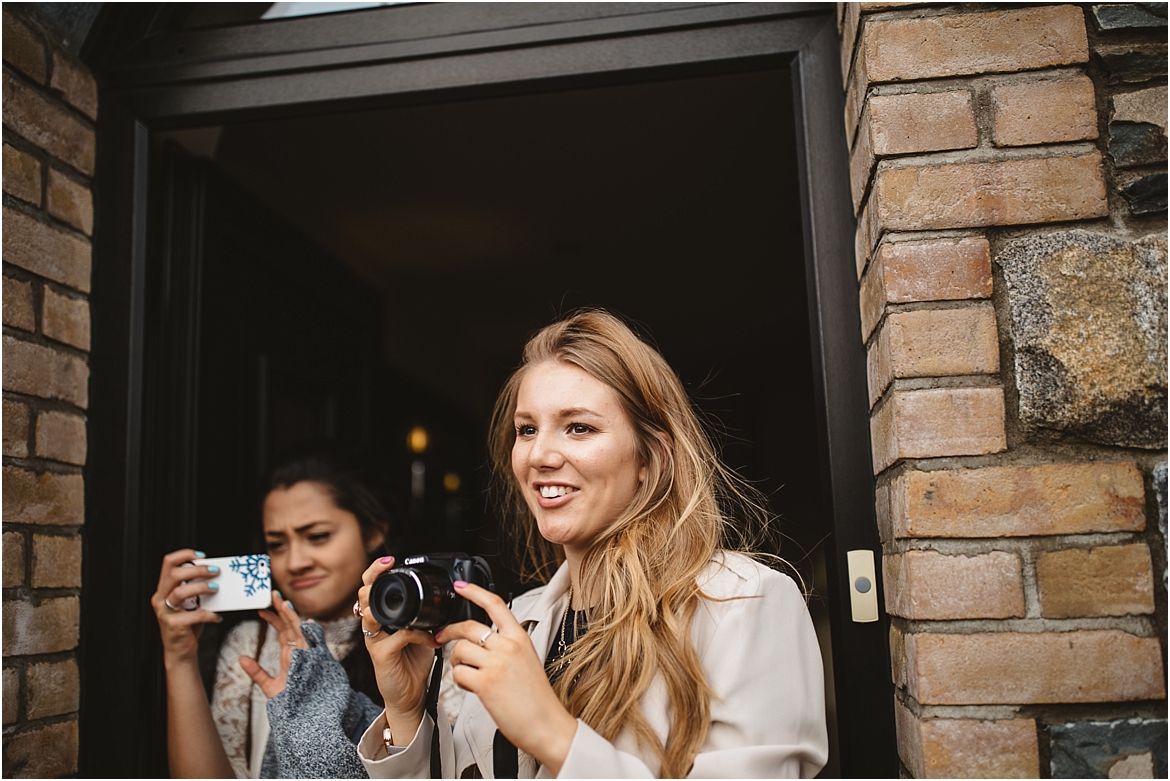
(575, 455)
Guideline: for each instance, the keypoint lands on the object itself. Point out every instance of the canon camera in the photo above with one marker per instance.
(420, 594)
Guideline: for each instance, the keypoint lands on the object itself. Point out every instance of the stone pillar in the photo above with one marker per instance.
(1008, 170)
(50, 106)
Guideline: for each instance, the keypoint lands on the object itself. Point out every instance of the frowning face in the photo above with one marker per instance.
(317, 550)
(575, 455)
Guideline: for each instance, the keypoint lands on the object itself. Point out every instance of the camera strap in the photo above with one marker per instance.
(432, 707)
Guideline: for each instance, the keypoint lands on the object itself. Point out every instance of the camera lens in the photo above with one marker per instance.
(415, 597)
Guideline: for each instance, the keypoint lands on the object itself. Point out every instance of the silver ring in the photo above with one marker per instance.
(483, 639)
(357, 608)
(167, 602)
(290, 642)
(375, 633)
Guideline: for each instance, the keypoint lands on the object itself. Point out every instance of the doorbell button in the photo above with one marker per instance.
(862, 594)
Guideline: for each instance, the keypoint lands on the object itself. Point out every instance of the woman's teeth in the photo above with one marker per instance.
(553, 491)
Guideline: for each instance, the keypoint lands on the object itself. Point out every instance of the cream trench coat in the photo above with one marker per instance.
(757, 646)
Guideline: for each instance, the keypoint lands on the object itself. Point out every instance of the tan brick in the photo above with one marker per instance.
(937, 422)
(934, 47)
(19, 310)
(967, 748)
(16, 419)
(22, 175)
(66, 319)
(1007, 668)
(50, 752)
(1108, 581)
(42, 371)
(47, 498)
(56, 561)
(11, 694)
(13, 559)
(24, 49)
(75, 84)
(1014, 501)
(933, 343)
(861, 240)
(53, 689)
(46, 628)
(927, 586)
(61, 437)
(913, 122)
(1007, 192)
(848, 28)
(70, 202)
(938, 270)
(44, 250)
(51, 128)
(1044, 112)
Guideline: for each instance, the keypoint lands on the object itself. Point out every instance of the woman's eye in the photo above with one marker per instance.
(525, 430)
(273, 546)
(319, 537)
(579, 428)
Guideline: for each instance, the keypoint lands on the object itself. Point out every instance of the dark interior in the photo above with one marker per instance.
(674, 203)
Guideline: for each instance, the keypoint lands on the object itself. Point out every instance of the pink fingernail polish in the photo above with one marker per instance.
(387, 559)
(460, 583)
(438, 636)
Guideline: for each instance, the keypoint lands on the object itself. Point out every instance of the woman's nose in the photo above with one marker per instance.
(298, 557)
(545, 452)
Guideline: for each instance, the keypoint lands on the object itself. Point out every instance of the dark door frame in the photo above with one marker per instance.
(155, 75)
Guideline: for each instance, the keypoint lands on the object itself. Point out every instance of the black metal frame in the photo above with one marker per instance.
(154, 77)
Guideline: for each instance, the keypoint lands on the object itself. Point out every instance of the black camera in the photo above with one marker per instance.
(420, 594)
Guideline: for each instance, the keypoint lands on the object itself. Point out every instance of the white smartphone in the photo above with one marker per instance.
(245, 583)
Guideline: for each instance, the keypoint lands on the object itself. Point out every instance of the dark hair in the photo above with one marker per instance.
(355, 484)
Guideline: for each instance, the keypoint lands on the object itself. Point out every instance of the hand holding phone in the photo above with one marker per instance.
(244, 583)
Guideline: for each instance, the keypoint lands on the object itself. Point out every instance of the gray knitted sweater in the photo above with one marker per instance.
(318, 719)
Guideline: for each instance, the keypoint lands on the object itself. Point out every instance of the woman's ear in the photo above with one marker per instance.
(665, 443)
(375, 540)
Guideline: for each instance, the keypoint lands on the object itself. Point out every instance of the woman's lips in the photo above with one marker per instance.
(551, 502)
(302, 583)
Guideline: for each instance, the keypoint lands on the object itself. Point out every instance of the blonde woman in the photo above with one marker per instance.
(653, 650)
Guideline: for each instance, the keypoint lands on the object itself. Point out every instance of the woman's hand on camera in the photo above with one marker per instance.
(505, 671)
(287, 624)
(402, 662)
(180, 628)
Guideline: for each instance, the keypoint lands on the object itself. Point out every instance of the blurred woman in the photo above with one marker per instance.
(323, 522)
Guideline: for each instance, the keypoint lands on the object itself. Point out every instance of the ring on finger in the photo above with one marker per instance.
(290, 642)
(167, 602)
(357, 608)
(483, 639)
(375, 633)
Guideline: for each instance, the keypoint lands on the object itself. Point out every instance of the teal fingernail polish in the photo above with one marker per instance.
(213, 569)
(290, 606)
(200, 554)
(213, 586)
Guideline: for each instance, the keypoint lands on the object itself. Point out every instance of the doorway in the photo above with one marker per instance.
(678, 196)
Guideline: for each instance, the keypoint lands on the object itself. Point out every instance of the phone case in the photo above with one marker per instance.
(245, 583)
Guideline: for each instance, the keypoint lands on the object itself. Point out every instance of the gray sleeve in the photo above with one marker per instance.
(313, 719)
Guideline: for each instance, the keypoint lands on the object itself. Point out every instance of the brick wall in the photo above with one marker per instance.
(50, 105)
(1008, 170)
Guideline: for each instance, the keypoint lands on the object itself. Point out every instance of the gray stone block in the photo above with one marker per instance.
(1129, 63)
(1136, 143)
(1129, 16)
(1088, 321)
(1146, 194)
(1092, 749)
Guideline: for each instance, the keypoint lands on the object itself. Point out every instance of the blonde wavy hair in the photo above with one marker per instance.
(645, 567)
